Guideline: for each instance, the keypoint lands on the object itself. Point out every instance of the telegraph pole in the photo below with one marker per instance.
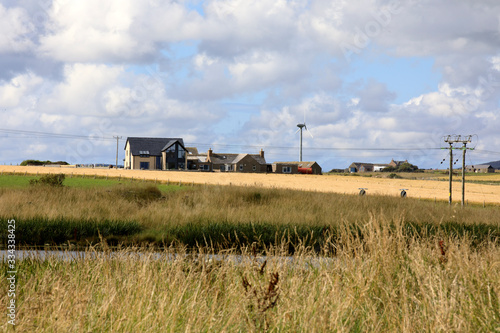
(464, 140)
(117, 138)
(464, 149)
(451, 170)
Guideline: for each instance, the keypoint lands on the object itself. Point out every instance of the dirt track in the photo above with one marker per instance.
(429, 189)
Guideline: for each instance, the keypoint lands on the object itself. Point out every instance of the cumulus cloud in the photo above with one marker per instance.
(164, 68)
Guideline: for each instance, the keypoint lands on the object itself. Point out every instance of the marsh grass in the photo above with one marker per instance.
(227, 217)
(387, 282)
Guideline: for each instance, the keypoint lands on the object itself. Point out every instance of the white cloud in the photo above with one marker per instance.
(13, 93)
(77, 66)
(16, 28)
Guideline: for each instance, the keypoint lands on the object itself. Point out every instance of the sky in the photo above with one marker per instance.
(373, 80)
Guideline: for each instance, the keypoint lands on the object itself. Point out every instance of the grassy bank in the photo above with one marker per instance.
(387, 283)
(226, 217)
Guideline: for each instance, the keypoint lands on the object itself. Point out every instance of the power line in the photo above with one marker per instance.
(38, 134)
(32, 134)
(309, 148)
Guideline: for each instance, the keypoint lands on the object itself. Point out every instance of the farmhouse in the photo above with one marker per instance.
(237, 162)
(396, 163)
(482, 168)
(285, 167)
(155, 154)
(297, 167)
(360, 167)
(373, 167)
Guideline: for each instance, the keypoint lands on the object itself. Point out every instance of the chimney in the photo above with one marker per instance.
(209, 155)
(261, 153)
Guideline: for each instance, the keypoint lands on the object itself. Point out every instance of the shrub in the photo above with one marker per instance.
(51, 180)
(393, 175)
(37, 162)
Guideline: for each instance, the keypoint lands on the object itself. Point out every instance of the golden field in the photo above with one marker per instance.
(416, 188)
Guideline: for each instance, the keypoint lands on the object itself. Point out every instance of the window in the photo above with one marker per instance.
(181, 153)
(144, 153)
(241, 167)
(254, 168)
(144, 165)
(287, 169)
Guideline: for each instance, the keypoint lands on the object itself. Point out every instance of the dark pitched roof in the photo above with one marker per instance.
(359, 164)
(479, 166)
(154, 145)
(171, 143)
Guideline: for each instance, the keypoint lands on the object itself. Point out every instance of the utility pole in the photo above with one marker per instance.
(451, 167)
(117, 138)
(464, 149)
(464, 140)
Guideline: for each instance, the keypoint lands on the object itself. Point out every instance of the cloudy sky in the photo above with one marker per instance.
(374, 80)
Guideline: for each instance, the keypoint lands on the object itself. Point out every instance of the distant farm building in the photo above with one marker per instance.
(373, 167)
(360, 167)
(312, 168)
(481, 168)
(227, 162)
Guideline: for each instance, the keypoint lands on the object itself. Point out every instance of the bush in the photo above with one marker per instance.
(405, 167)
(393, 175)
(37, 162)
(51, 180)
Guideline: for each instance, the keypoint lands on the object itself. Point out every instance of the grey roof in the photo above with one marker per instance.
(154, 145)
(223, 158)
(479, 166)
(235, 158)
(303, 164)
(358, 164)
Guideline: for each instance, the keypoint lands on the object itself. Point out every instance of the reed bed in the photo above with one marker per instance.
(201, 215)
(386, 282)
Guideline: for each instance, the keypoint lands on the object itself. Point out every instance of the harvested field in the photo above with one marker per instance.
(425, 189)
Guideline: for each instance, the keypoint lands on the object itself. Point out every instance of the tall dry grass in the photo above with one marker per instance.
(386, 282)
(223, 203)
(201, 214)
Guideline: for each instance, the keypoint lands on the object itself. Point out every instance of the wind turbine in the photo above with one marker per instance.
(302, 126)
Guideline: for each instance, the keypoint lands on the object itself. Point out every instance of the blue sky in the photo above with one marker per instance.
(238, 76)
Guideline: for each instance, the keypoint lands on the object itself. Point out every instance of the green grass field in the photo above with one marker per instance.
(20, 181)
